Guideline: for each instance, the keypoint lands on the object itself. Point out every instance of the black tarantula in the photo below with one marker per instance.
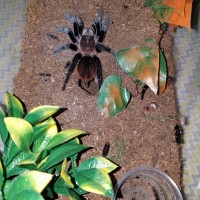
(86, 42)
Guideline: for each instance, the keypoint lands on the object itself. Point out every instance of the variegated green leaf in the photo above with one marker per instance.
(20, 131)
(3, 130)
(11, 152)
(12, 168)
(41, 143)
(60, 187)
(1, 175)
(41, 113)
(73, 195)
(43, 161)
(30, 161)
(60, 153)
(112, 97)
(27, 194)
(64, 174)
(7, 184)
(16, 171)
(97, 163)
(1, 196)
(14, 106)
(64, 136)
(94, 180)
(40, 129)
(29, 180)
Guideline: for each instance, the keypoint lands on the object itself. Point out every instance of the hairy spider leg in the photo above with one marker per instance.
(66, 46)
(75, 60)
(80, 25)
(87, 85)
(69, 32)
(52, 36)
(98, 22)
(144, 88)
(77, 24)
(99, 71)
(104, 29)
(99, 15)
(68, 64)
(99, 29)
(105, 48)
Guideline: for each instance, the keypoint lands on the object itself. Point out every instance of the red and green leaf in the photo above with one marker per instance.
(112, 97)
(141, 63)
(173, 12)
(146, 65)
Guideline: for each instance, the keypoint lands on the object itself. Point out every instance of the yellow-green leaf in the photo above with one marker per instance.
(97, 163)
(1, 175)
(41, 128)
(73, 195)
(3, 130)
(40, 113)
(29, 180)
(30, 161)
(20, 131)
(94, 180)
(43, 161)
(43, 141)
(64, 174)
(12, 168)
(64, 136)
(14, 106)
(27, 194)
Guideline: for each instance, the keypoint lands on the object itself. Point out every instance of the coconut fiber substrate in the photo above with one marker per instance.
(143, 134)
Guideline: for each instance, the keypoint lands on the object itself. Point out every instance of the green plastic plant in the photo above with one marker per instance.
(28, 185)
(32, 143)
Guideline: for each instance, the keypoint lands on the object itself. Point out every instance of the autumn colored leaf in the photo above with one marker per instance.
(141, 63)
(177, 5)
(174, 17)
(173, 12)
(112, 97)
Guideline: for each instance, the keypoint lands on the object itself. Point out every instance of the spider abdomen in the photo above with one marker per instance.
(87, 68)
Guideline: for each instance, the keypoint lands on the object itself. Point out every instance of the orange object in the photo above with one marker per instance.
(174, 17)
(178, 5)
(183, 20)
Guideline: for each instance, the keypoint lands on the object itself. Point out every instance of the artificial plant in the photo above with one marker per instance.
(173, 12)
(146, 65)
(32, 143)
(112, 97)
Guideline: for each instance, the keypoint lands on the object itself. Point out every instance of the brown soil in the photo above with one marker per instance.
(148, 133)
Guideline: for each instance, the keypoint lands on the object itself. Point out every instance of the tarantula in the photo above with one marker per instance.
(87, 42)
